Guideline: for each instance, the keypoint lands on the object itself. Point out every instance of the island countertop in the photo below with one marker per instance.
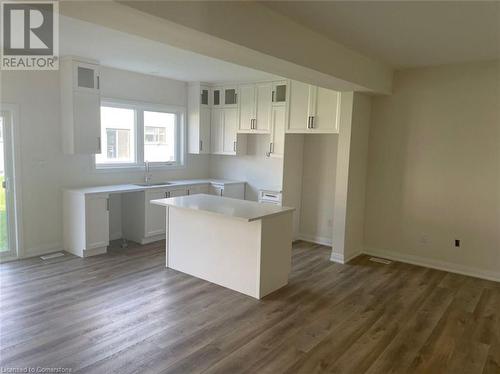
(233, 208)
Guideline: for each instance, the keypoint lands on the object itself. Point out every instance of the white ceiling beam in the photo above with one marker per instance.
(243, 33)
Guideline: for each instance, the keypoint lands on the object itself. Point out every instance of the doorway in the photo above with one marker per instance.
(9, 240)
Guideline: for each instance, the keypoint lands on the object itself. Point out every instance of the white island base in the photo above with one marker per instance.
(241, 245)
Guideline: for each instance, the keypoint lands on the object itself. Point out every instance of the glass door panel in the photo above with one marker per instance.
(7, 227)
(4, 237)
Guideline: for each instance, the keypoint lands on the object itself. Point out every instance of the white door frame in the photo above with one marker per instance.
(15, 226)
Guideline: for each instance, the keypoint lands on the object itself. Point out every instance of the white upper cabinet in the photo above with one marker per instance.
(229, 138)
(86, 77)
(279, 93)
(255, 108)
(313, 109)
(263, 107)
(278, 124)
(299, 106)
(80, 106)
(230, 97)
(198, 119)
(247, 107)
(216, 130)
(224, 132)
(216, 94)
(327, 111)
(224, 97)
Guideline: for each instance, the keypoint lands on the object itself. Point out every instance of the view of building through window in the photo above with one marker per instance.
(117, 135)
(159, 137)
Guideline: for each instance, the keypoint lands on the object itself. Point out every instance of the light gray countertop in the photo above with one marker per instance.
(233, 208)
(121, 188)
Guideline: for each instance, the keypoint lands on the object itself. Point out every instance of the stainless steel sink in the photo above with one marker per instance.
(153, 184)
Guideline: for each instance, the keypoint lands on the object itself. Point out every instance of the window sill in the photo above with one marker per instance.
(135, 168)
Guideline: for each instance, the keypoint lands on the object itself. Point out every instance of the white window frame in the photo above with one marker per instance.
(140, 108)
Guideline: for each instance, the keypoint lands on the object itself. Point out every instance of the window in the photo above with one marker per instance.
(118, 129)
(159, 137)
(123, 126)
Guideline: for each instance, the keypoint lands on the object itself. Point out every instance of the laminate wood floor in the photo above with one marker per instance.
(125, 313)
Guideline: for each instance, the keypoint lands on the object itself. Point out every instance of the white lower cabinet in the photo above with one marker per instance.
(86, 214)
(96, 221)
(233, 190)
(143, 222)
(197, 189)
(85, 223)
(154, 223)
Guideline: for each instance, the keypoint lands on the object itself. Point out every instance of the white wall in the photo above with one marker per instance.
(434, 169)
(46, 170)
(318, 187)
(358, 165)
(292, 177)
(259, 171)
(349, 207)
(309, 184)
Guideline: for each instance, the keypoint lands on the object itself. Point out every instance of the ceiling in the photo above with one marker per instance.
(129, 52)
(404, 33)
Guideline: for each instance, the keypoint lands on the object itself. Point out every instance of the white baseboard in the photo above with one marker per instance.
(341, 259)
(115, 235)
(41, 250)
(152, 239)
(94, 251)
(435, 264)
(323, 240)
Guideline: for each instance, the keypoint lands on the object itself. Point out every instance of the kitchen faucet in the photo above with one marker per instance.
(147, 175)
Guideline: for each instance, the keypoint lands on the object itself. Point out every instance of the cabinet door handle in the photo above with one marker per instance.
(98, 144)
(201, 145)
(98, 83)
(107, 204)
(271, 147)
(272, 99)
(234, 146)
(309, 122)
(312, 122)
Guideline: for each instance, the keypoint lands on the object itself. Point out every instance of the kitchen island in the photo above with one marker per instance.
(238, 244)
